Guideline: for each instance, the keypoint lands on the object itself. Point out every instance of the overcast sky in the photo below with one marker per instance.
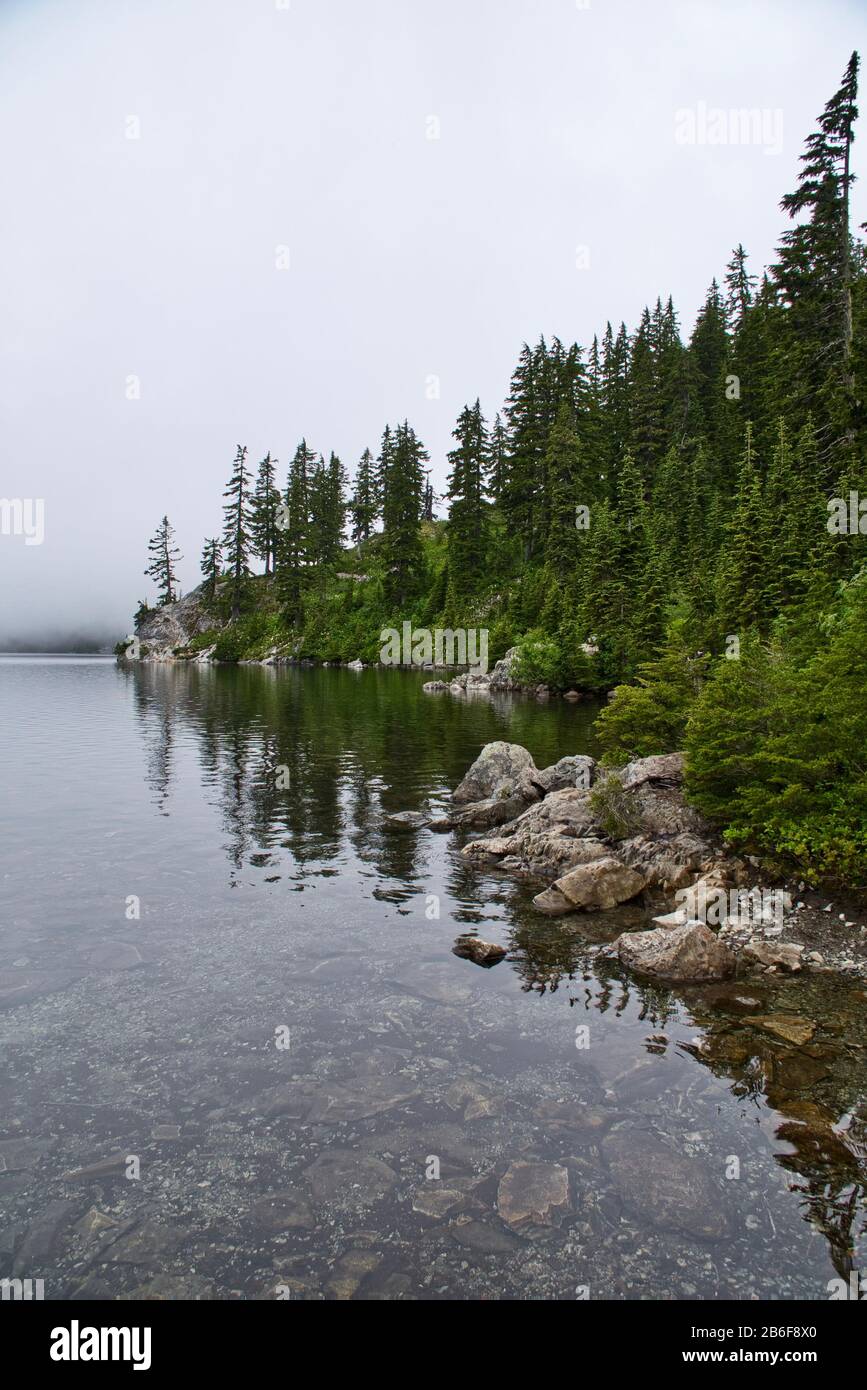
(270, 132)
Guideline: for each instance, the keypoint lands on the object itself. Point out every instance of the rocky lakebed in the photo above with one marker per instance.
(525, 1031)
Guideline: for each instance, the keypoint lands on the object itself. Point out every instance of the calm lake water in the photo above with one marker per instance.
(234, 1004)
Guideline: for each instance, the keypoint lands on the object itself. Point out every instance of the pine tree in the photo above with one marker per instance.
(498, 453)
(467, 525)
(210, 566)
(364, 508)
(814, 272)
(236, 528)
(740, 289)
(743, 583)
(294, 545)
(403, 490)
(263, 513)
(570, 489)
(164, 556)
(383, 465)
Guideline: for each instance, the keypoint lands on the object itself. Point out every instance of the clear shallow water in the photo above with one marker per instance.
(269, 913)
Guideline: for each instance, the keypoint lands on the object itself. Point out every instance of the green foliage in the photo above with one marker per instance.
(650, 717)
(705, 466)
(775, 746)
(614, 808)
(250, 638)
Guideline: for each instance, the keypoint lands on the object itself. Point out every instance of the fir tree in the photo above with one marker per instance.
(264, 509)
(164, 556)
(740, 289)
(814, 270)
(466, 491)
(236, 528)
(403, 490)
(294, 545)
(364, 507)
(210, 566)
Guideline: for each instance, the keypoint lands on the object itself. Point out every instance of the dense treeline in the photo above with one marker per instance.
(646, 513)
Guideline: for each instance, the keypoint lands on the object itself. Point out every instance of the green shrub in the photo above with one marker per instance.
(614, 808)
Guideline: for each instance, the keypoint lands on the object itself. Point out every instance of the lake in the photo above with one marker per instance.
(239, 1059)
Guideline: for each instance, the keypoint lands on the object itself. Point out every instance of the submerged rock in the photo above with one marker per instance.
(790, 1027)
(481, 952)
(660, 1186)
(349, 1180)
(682, 954)
(408, 820)
(533, 1194)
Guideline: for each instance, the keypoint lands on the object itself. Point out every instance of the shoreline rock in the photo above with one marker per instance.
(623, 833)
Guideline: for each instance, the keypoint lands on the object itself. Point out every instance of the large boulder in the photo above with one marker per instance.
(670, 1190)
(569, 772)
(665, 768)
(646, 798)
(496, 772)
(667, 864)
(686, 954)
(547, 839)
(594, 887)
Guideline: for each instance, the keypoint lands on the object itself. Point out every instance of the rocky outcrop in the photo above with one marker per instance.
(504, 781)
(162, 631)
(501, 680)
(685, 954)
(647, 826)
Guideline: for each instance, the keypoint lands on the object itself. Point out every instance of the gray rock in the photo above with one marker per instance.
(349, 1180)
(786, 956)
(662, 1187)
(483, 1238)
(284, 1211)
(502, 676)
(112, 1166)
(364, 1098)
(577, 771)
(684, 954)
(495, 773)
(350, 1271)
(667, 768)
(552, 903)
(533, 1194)
(599, 885)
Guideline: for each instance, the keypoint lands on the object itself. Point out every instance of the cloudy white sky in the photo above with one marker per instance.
(270, 131)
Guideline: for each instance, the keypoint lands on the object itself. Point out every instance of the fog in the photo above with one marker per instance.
(241, 221)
